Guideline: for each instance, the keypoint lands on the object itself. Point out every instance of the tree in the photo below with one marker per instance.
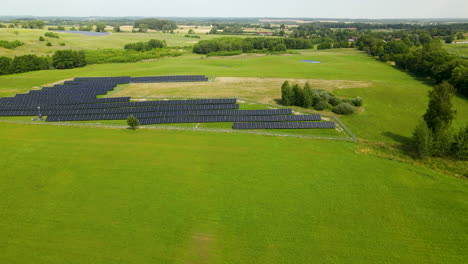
(213, 30)
(100, 27)
(439, 114)
(68, 59)
(5, 65)
(298, 95)
(133, 122)
(422, 138)
(116, 27)
(191, 31)
(448, 39)
(459, 79)
(143, 28)
(307, 95)
(287, 97)
(460, 36)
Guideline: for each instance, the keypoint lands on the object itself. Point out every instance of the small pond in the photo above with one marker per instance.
(311, 61)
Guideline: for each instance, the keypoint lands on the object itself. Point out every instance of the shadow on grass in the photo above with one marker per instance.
(398, 138)
(405, 144)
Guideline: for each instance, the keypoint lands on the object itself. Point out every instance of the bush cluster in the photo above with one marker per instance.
(191, 36)
(10, 44)
(68, 59)
(146, 46)
(51, 35)
(317, 98)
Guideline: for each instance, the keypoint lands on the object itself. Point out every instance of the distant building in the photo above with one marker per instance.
(351, 40)
(265, 33)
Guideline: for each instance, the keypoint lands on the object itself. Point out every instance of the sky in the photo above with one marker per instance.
(240, 8)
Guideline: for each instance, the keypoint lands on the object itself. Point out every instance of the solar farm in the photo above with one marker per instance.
(77, 100)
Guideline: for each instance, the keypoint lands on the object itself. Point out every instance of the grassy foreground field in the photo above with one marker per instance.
(93, 195)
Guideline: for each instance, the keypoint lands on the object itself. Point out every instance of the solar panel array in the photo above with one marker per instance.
(76, 100)
(283, 125)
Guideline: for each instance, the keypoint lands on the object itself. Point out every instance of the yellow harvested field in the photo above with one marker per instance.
(265, 90)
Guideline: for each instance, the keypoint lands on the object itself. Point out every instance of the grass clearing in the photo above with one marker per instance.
(264, 90)
(248, 198)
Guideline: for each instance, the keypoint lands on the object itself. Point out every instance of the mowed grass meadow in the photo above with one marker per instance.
(93, 195)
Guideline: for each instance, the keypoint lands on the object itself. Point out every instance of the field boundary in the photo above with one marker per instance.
(175, 128)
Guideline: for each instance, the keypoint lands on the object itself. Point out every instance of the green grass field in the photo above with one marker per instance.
(392, 104)
(73, 194)
(74, 41)
(91, 195)
(460, 50)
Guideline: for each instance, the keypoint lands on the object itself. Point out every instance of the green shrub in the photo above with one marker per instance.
(133, 122)
(51, 35)
(320, 105)
(41, 38)
(422, 138)
(357, 101)
(333, 100)
(344, 109)
(461, 144)
(442, 141)
(63, 44)
(49, 44)
(146, 46)
(10, 44)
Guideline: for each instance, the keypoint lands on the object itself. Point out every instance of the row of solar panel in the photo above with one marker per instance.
(129, 110)
(167, 114)
(283, 125)
(91, 103)
(157, 79)
(84, 89)
(118, 102)
(208, 119)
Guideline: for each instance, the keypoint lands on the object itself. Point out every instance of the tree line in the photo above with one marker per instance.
(247, 45)
(420, 55)
(62, 59)
(156, 24)
(295, 95)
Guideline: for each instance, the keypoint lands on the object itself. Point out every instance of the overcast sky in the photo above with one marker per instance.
(241, 8)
